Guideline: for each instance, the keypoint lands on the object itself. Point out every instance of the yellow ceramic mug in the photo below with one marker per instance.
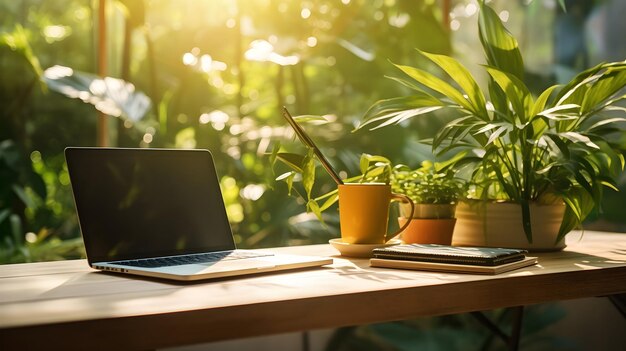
(364, 212)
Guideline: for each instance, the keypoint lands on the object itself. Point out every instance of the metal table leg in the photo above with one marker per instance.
(512, 340)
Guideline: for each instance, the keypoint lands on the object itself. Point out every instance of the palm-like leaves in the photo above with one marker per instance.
(520, 148)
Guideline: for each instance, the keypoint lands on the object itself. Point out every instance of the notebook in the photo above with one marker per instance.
(479, 256)
(453, 268)
(432, 257)
(160, 213)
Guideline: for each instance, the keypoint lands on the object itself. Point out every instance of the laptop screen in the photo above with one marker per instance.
(139, 203)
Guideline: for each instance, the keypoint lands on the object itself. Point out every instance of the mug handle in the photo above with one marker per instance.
(402, 198)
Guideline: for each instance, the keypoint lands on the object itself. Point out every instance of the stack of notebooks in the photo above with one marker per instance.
(477, 260)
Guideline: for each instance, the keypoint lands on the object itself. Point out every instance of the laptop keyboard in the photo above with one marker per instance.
(191, 259)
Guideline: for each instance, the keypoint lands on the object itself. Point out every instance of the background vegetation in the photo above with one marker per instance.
(217, 72)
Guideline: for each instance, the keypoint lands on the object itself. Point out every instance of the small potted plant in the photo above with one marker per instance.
(435, 192)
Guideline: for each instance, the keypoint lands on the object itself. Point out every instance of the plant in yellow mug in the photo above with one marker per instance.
(374, 169)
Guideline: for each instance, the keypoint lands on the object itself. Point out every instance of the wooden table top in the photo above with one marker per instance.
(68, 305)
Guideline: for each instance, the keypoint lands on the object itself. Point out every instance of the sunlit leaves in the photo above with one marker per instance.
(501, 48)
(396, 110)
(431, 81)
(18, 42)
(464, 79)
(516, 91)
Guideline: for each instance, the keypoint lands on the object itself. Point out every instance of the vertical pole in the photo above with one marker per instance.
(516, 332)
(102, 128)
(445, 9)
(239, 52)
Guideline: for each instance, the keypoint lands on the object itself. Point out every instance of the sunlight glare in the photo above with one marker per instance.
(311, 41)
(56, 72)
(204, 118)
(305, 13)
(455, 25)
(471, 9)
(263, 51)
(504, 16)
(252, 192)
(56, 33)
(400, 20)
(32, 237)
(206, 62)
(189, 59)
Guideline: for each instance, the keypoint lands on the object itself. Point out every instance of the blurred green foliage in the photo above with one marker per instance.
(216, 72)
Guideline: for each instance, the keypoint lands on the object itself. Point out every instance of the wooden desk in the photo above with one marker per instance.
(68, 305)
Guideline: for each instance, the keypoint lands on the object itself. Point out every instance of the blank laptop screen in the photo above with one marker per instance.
(139, 203)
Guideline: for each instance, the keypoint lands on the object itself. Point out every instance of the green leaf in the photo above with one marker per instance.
(559, 143)
(285, 176)
(463, 78)
(310, 118)
(516, 92)
(575, 90)
(457, 124)
(556, 112)
(312, 206)
(407, 84)
(451, 162)
(579, 204)
(294, 161)
(609, 83)
(17, 41)
(308, 173)
(4, 214)
(401, 116)
(274, 155)
(579, 138)
(22, 195)
(432, 82)
(497, 134)
(289, 182)
(288, 178)
(16, 229)
(605, 122)
(384, 109)
(542, 100)
(367, 159)
(330, 201)
(500, 46)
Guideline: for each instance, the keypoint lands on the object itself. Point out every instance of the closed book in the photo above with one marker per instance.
(478, 256)
(452, 268)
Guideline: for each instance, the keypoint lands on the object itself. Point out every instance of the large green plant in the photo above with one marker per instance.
(563, 145)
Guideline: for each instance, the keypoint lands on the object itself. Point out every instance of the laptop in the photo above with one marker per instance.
(160, 213)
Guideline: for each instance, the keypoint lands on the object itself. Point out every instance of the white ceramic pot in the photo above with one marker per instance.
(499, 224)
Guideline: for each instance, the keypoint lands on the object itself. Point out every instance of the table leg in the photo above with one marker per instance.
(511, 340)
(619, 301)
